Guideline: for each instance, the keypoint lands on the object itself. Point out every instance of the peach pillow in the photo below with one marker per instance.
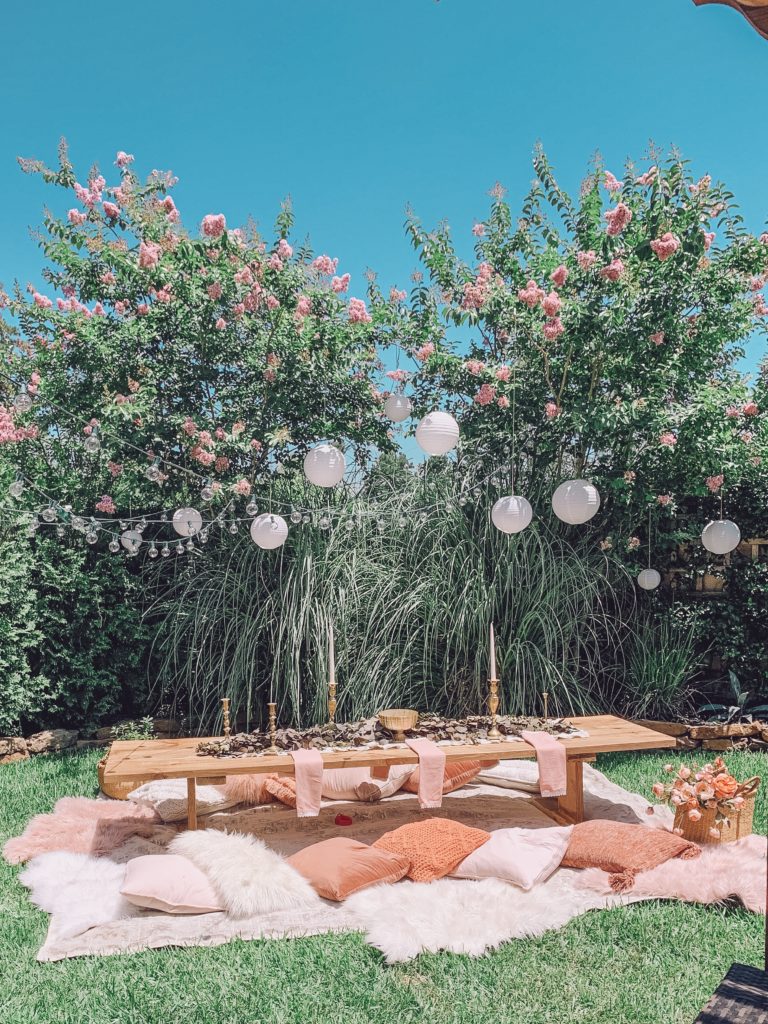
(624, 850)
(523, 856)
(359, 784)
(282, 788)
(170, 883)
(457, 774)
(338, 867)
(433, 847)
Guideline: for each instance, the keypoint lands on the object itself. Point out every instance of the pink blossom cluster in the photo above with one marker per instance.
(9, 432)
(396, 296)
(586, 258)
(478, 229)
(658, 338)
(750, 408)
(111, 211)
(552, 410)
(115, 468)
(668, 439)
(303, 306)
(357, 312)
(284, 249)
(553, 328)
(485, 395)
(123, 159)
(702, 185)
(663, 500)
(531, 295)
(214, 225)
(340, 284)
(399, 376)
(649, 177)
(709, 237)
(76, 217)
(613, 271)
(325, 265)
(92, 194)
(612, 183)
(714, 483)
(424, 351)
(149, 254)
(242, 487)
(503, 373)
(559, 275)
(551, 304)
(476, 292)
(106, 504)
(665, 246)
(618, 218)
(474, 366)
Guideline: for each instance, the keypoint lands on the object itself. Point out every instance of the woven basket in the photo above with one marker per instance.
(739, 822)
(117, 790)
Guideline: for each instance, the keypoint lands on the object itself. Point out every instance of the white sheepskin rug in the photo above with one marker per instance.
(248, 877)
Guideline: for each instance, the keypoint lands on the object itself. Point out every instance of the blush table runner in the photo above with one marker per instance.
(551, 759)
(308, 768)
(431, 772)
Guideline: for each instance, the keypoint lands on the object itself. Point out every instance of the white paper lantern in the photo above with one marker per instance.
(131, 541)
(720, 536)
(648, 579)
(187, 522)
(576, 501)
(324, 465)
(398, 408)
(437, 433)
(511, 514)
(269, 531)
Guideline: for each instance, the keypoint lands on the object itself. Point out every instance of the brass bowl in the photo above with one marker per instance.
(398, 721)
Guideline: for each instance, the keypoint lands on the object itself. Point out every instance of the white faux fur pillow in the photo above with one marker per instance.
(245, 874)
(169, 798)
(357, 783)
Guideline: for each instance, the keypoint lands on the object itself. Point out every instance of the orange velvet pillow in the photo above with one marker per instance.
(338, 867)
(623, 849)
(282, 788)
(456, 774)
(434, 847)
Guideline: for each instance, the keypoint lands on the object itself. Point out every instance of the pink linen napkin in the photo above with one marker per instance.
(431, 771)
(308, 769)
(550, 755)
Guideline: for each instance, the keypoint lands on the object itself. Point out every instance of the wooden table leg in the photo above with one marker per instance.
(571, 806)
(191, 804)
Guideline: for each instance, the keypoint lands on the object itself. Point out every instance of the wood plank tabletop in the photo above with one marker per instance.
(177, 759)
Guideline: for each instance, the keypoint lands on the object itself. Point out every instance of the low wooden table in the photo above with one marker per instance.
(146, 760)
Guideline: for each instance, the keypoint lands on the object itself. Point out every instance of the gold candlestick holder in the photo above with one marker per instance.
(272, 710)
(545, 698)
(331, 702)
(225, 716)
(493, 707)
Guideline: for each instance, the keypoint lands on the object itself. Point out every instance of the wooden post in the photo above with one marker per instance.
(571, 806)
(191, 804)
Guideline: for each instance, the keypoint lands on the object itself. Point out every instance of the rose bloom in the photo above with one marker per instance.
(694, 814)
(725, 787)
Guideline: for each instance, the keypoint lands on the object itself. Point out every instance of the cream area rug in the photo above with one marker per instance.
(89, 918)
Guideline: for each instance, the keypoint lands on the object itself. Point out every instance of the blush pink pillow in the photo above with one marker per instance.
(523, 856)
(170, 883)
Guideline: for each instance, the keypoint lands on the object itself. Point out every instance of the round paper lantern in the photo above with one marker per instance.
(511, 514)
(720, 536)
(437, 433)
(131, 541)
(648, 579)
(269, 531)
(398, 408)
(324, 465)
(576, 501)
(187, 521)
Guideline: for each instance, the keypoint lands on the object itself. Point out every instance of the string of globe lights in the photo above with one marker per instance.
(574, 502)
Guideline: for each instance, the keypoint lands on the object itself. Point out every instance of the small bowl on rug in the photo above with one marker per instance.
(398, 721)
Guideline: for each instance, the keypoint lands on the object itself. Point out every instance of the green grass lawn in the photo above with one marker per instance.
(652, 963)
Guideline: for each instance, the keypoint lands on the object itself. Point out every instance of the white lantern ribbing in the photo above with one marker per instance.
(324, 465)
(131, 541)
(511, 514)
(269, 531)
(648, 579)
(437, 433)
(398, 408)
(576, 501)
(720, 536)
(187, 522)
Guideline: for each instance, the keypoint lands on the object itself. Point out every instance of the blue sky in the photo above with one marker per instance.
(357, 107)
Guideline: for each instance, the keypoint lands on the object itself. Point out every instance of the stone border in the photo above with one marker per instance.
(714, 735)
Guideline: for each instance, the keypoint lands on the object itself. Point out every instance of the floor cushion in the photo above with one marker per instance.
(168, 797)
(359, 784)
(434, 847)
(624, 850)
(170, 883)
(338, 867)
(456, 774)
(249, 788)
(522, 856)
(282, 788)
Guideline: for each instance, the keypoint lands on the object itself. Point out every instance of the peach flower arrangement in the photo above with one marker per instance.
(711, 787)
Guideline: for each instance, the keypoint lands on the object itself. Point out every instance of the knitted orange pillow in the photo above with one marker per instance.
(623, 849)
(456, 774)
(434, 847)
(282, 788)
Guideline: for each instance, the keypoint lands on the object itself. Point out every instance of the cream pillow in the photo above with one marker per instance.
(358, 784)
(169, 798)
(523, 856)
(169, 883)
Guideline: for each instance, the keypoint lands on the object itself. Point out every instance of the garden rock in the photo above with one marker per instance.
(51, 740)
(13, 748)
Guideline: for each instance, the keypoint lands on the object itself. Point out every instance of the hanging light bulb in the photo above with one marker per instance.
(165, 551)
(296, 516)
(49, 514)
(59, 531)
(207, 492)
(233, 527)
(141, 526)
(251, 508)
(203, 536)
(131, 541)
(187, 522)
(179, 549)
(91, 537)
(153, 473)
(92, 444)
(152, 550)
(17, 487)
(324, 522)
(306, 518)
(114, 545)
(123, 525)
(23, 401)
(190, 545)
(78, 523)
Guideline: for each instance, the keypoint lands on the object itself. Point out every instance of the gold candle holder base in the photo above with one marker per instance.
(225, 716)
(272, 710)
(331, 702)
(493, 707)
(545, 698)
